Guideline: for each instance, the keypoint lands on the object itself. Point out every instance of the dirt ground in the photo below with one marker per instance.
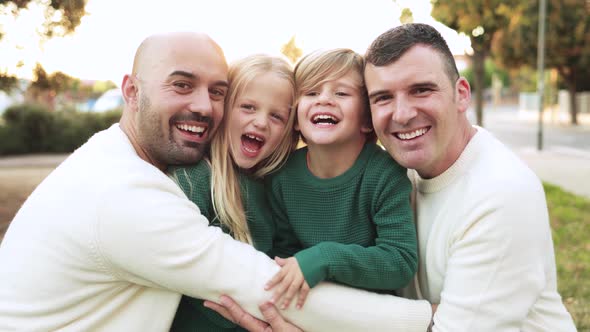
(16, 184)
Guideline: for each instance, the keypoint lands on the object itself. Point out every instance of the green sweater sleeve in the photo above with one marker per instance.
(387, 265)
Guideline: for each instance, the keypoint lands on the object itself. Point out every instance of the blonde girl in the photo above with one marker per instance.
(255, 138)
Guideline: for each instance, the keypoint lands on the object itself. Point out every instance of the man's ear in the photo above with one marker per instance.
(130, 92)
(367, 126)
(463, 94)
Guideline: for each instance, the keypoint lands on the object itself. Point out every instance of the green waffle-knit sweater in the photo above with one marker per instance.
(195, 181)
(356, 228)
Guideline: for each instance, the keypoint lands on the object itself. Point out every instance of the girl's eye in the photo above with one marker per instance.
(341, 94)
(311, 93)
(248, 107)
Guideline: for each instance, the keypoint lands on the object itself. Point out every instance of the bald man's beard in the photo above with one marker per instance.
(157, 137)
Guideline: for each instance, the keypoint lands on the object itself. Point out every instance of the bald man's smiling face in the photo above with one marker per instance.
(182, 83)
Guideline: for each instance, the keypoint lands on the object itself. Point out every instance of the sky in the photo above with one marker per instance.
(103, 46)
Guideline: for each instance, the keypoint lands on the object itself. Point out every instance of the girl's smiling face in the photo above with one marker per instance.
(258, 118)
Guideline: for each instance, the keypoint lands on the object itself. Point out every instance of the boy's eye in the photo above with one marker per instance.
(311, 93)
(277, 116)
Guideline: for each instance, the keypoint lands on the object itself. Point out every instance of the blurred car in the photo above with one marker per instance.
(110, 100)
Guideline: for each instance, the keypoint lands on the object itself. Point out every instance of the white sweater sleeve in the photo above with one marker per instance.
(495, 262)
(153, 236)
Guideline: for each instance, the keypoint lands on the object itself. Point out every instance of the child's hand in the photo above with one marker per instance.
(290, 280)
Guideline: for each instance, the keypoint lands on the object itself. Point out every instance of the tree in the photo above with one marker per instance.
(480, 20)
(62, 17)
(567, 40)
(291, 50)
(44, 88)
(406, 16)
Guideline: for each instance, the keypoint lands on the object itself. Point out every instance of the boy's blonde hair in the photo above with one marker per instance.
(322, 66)
(225, 187)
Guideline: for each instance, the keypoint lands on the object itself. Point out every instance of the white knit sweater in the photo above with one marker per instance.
(108, 242)
(486, 253)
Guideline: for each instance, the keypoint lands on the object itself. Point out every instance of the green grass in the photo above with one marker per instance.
(570, 221)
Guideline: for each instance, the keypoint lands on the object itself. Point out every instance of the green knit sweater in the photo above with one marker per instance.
(195, 181)
(356, 228)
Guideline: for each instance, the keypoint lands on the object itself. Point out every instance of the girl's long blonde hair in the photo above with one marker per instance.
(225, 186)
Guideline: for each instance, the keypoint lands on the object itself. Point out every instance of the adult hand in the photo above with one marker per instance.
(229, 309)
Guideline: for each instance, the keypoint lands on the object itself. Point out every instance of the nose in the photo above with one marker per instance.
(324, 98)
(404, 112)
(201, 103)
(260, 120)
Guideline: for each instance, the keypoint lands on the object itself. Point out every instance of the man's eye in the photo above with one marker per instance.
(381, 98)
(182, 85)
(421, 91)
(217, 94)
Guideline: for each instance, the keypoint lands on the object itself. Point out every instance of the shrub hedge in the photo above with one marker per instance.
(34, 129)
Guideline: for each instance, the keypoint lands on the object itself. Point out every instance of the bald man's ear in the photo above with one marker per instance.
(130, 92)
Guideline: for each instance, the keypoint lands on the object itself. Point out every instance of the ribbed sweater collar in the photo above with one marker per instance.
(460, 167)
(342, 180)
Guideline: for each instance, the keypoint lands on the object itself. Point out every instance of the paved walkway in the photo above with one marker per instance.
(565, 161)
(568, 169)
(30, 161)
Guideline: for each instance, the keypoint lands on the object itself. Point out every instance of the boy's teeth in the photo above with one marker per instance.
(323, 117)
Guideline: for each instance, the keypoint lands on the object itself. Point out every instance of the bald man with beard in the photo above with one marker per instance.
(107, 242)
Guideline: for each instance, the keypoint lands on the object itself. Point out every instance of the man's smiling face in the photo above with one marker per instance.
(416, 109)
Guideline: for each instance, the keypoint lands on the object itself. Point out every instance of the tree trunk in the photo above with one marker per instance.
(573, 105)
(478, 82)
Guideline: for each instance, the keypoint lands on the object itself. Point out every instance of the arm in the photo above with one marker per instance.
(391, 262)
(183, 254)
(496, 264)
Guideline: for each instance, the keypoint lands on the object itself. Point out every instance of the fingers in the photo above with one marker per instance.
(275, 279)
(280, 289)
(302, 295)
(219, 309)
(281, 261)
(274, 318)
(271, 314)
(292, 289)
(238, 315)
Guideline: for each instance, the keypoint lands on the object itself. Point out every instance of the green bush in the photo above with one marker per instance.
(34, 129)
